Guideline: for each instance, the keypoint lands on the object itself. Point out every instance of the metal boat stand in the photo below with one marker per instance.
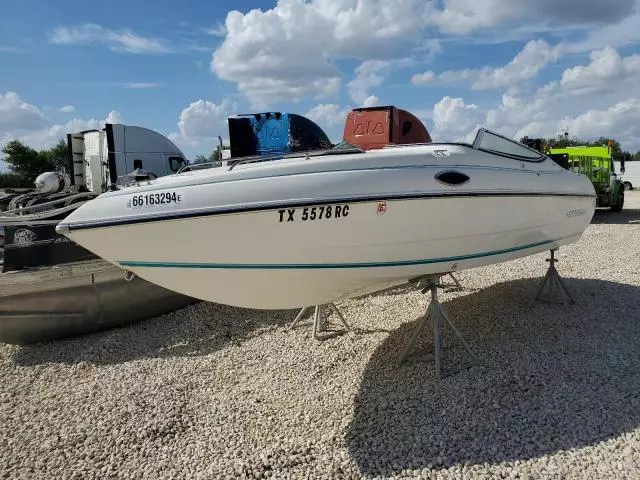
(456, 283)
(435, 313)
(553, 285)
(320, 321)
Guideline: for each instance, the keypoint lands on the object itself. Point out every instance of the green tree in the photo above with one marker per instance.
(10, 180)
(200, 158)
(616, 150)
(562, 142)
(58, 155)
(27, 163)
(214, 156)
(217, 153)
(626, 156)
(24, 161)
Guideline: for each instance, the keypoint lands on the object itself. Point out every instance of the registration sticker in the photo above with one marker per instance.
(154, 199)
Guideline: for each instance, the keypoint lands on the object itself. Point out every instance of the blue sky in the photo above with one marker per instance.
(182, 67)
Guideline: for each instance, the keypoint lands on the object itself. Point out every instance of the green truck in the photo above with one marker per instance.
(597, 164)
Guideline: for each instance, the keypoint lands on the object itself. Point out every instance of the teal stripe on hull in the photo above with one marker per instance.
(293, 266)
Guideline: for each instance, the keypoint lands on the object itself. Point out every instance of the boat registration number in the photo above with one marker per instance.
(324, 212)
(153, 199)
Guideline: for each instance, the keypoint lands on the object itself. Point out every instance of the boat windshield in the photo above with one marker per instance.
(492, 142)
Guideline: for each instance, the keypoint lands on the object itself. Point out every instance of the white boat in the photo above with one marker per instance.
(309, 229)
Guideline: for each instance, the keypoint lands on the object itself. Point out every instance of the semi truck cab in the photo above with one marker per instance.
(99, 157)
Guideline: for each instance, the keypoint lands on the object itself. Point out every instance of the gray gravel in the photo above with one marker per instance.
(219, 392)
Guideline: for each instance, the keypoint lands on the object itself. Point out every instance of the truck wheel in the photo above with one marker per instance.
(617, 207)
(628, 186)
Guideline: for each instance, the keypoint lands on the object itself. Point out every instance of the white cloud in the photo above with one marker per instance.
(49, 136)
(290, 51)
(15, 114)
(269, 55)
(45, 137)
(454, 120)
(328, 115)
(67, 109)
(515, 111)
(277, 54)
(118, 41)
(113, 117)
(539, 115)
(607, 71)
(11, 49)
(526, 65)
(141, 85)
(424, 78)
(372, 73)
(620, 34)
(202, 121)
(606, 86)
(621, 121)
(200, 48)
(368, 75)
(459, 17)
(549, 111)
(218, 31)
(371, 101)
(104, 84)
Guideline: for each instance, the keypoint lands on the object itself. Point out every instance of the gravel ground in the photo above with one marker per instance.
(218, 392)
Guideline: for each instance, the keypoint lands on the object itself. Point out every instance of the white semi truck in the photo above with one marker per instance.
(631, 176)
(99, 157)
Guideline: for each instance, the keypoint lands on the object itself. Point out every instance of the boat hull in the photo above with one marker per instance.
(305, 231)
(275, 258)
